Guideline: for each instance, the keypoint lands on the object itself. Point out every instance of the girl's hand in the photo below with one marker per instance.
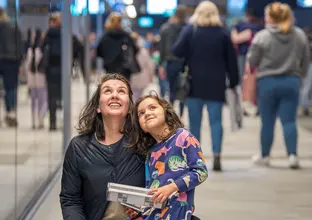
(161, 194)
(132, 213)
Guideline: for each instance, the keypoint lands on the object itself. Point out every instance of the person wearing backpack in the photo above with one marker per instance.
(52, 57)
(118, 49)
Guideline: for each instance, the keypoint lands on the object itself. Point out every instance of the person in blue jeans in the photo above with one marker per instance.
(211, 59)
(280, 53)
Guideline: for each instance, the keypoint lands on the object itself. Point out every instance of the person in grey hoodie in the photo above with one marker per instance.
(280, 53)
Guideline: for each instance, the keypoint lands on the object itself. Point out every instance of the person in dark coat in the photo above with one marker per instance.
(53, 72)
(112, 44)
(212, 59)
(100, 154)
(11, 54)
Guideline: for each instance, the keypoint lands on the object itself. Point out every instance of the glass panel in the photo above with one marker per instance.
(8, 83)
(31, 130)
(34, 140)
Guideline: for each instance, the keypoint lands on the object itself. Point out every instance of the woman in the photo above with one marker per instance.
(11, 54)
(36, 82)
(141, 80)
(280, 53)
(117, 48)
(211, 58)
(100, 155)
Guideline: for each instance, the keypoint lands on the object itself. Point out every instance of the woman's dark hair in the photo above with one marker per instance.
(36, 44)
(91, 122)
(141, 141)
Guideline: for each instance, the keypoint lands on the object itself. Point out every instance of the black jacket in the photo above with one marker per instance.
(110, 49)
(53, 40)
(169, 33)
(211, 58)
(88, 167)
(11, 43)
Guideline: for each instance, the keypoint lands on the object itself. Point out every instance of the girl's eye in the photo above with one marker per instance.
(152, 107)
(122, 92)
(141, 114)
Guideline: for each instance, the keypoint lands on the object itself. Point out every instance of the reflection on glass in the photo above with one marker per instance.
(31, 137)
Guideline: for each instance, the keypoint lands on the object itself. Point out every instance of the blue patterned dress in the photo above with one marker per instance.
(180, 160)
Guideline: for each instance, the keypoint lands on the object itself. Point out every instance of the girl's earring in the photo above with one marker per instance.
(98, 110)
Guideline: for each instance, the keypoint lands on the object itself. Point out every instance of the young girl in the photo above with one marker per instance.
(36, 82)
(175, 164)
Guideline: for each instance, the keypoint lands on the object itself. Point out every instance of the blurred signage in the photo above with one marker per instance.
(35, 9)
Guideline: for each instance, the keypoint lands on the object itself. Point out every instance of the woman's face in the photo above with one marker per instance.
(151, 116)
(114, 99)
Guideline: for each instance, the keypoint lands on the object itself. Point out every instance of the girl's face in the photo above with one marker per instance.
(114, 99)
(151, 116)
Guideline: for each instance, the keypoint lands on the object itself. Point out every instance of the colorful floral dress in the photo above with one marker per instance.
(180, 160)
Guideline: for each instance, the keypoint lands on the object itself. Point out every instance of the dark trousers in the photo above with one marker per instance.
(9, 72)
(54, 86)
(278, 96)
(173, 69)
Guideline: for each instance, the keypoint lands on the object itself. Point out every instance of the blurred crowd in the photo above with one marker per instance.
(272, 51)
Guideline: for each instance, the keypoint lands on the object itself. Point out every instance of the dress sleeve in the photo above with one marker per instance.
(71, 194)
(198, 172)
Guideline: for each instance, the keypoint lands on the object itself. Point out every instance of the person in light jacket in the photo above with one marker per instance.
(280, 53)
(139, 81)
(36, 81)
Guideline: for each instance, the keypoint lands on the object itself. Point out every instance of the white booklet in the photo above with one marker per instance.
(130, 196)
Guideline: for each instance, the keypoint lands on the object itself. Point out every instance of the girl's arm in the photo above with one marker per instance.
(198, 172)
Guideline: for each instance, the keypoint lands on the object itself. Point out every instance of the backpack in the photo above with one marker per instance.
(128, 56)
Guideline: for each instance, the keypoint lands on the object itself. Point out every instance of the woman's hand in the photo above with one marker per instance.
(161, 194)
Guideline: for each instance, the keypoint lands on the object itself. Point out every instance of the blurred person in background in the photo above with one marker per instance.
(113, 47)
(149, 39)
(52, 52)
(207, 47)
(11, 54)
(242, 35)
(280, 53)
(36, 81)
(171, 65)
(307, 83)
(139, 81)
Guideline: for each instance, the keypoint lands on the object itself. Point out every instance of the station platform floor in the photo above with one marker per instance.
(243, 191)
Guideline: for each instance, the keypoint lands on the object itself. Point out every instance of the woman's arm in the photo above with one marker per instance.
(255, 52)
(230, 58)
(181, 47)
(241, 37)
(71, 195)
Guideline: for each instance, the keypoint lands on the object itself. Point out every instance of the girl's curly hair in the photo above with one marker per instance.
(141, 141)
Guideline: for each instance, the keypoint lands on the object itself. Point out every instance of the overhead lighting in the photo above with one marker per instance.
(128, 2)
(131, 11)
